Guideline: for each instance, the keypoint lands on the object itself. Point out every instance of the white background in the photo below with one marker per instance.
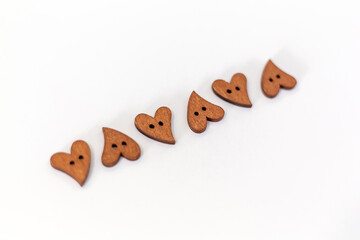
(288, 168)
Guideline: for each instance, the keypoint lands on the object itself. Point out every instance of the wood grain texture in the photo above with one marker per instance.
(234, 92)
(273, 78)
(157, 127)
(118, 144)
(200, 111)
(76, 164)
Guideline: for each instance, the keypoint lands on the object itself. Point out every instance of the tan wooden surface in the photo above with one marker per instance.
(118, 144)
(157, 127)
(234, 92)
(200, 111)
(273, 78)
(76, 164)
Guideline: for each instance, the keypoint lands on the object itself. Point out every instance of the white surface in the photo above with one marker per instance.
(288, 168)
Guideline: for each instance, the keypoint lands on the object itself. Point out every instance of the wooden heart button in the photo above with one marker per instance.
(273, 78)
(158, 127)
(76, 164)
(234, 92)
(116, 145)
(200, 111)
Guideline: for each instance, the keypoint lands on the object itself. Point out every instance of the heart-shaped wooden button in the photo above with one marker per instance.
(273, 78)
(200, 111)
(234, 92)
(76, 164)
(116, 145)
(158, 127)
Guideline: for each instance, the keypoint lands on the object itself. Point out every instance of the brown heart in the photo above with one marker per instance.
(116, 145)
(200, 111)
(234, 92)
(158, 127)
(273, 78)
(76, 164)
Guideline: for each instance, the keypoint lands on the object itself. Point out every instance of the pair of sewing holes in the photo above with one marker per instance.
(197, 113)
(80, 157)
(160, 124)
(229, 91)
(271, 80)
(114, 146)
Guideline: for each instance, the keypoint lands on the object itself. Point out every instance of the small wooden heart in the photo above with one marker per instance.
(116, 145)
(76, 164)
(234, 92)
(200, 111)
(158, 127)
(273, 78)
